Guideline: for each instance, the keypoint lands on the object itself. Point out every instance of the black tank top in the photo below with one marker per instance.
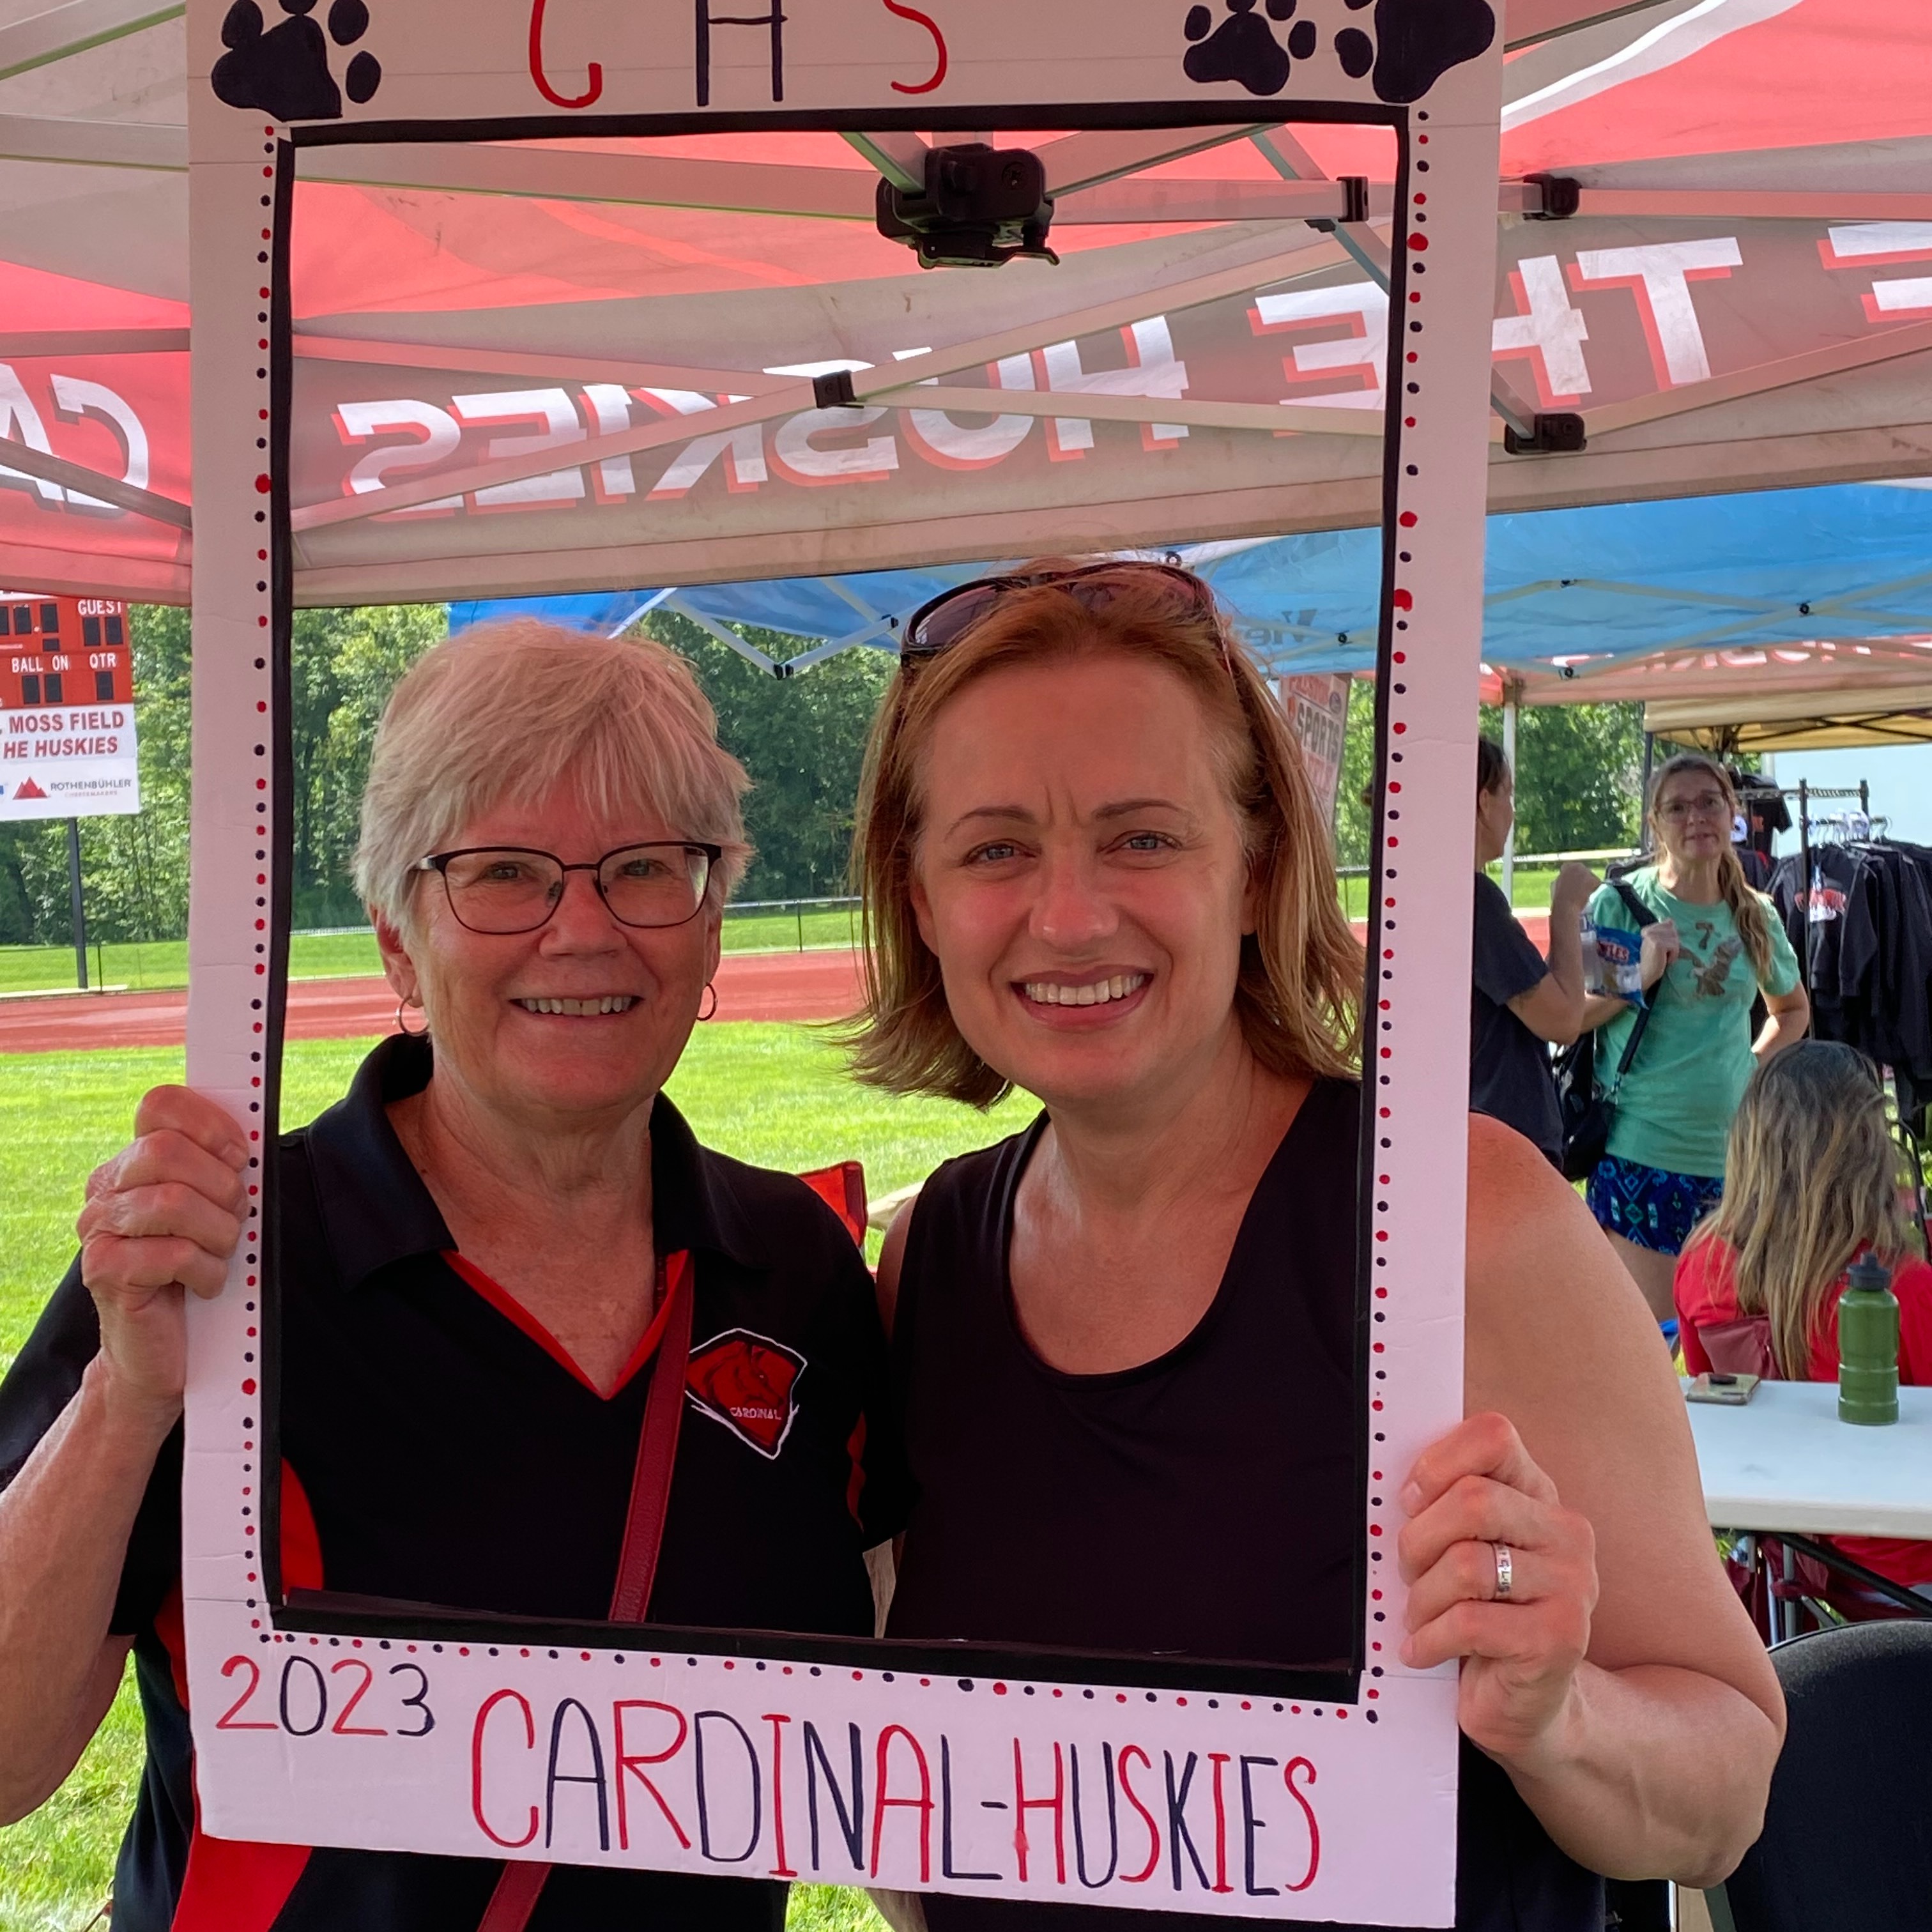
(1095, 1511)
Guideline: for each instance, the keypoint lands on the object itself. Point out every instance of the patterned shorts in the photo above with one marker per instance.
(1650, 1208)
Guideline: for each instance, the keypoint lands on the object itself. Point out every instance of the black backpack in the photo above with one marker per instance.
(1587, 1112)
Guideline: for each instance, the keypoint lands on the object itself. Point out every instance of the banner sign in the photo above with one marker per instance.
(67, 709)
(115, 400)
(1589, 313)
(1326, 1791)
(1317, 709)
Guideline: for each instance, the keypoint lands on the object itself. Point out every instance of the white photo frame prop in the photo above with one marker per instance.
(1332, 1797)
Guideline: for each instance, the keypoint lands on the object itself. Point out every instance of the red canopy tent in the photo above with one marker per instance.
(1739, 298)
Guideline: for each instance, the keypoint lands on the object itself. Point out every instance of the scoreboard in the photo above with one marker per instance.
(64, 650)
(68, 746)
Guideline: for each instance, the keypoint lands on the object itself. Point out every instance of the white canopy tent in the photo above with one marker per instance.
(1777, 697)
(1792, 719)
(1797, 719)
(1733, 303)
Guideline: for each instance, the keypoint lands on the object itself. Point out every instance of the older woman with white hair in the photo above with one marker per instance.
(493, 1249)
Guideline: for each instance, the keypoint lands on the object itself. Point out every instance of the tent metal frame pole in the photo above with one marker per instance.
(1715, 204)
(1804, 859)
(73, 28)
(76, 900)
(1304, 419)
(1097, 155)
(1643, 792)
(1512, 700)
(555, 366)
(730, 639)
(1532, 22)
(1106, 189)
(82, 481)
(1785, 372)
(1100, 185)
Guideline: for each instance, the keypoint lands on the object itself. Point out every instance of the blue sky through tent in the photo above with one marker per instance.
(1899, 776)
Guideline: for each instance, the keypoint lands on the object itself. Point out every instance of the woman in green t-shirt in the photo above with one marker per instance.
(1715, 946)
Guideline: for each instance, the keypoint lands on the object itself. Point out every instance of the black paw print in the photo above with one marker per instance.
(1416, 43)
(1243, 47)
(283, 70)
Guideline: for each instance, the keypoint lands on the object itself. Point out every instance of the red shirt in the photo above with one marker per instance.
(1705, 1290)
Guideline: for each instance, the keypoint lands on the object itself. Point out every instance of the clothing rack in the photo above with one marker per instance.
(1904, 1128)
(1805, 793)
(1850, 827)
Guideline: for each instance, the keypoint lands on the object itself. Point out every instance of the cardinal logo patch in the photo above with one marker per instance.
(749, 1383)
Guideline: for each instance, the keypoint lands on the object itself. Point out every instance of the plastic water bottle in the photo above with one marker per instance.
(1868, 1345)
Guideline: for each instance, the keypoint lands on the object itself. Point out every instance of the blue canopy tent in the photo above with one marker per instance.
(1574, 596)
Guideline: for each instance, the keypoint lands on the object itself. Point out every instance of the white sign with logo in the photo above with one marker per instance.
(75, 762)
(1318, 714)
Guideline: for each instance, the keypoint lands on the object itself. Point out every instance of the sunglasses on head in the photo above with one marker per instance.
(942, 621)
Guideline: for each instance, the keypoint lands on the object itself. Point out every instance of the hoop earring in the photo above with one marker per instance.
(713, 1007)
(410, 1033)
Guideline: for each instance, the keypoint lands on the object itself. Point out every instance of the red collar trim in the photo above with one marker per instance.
(672, 1273)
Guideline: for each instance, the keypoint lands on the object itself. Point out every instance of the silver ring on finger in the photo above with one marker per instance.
(1505, 1569)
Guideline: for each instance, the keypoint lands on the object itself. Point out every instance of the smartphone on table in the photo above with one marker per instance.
(1728, 1391)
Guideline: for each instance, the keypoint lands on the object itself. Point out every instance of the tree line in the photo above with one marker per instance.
(1579, 776)
(802, 738)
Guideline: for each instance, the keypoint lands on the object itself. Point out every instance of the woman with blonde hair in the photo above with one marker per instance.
(1812, 1182)
(499, 1253)
(1093, 869)
(1713, 947)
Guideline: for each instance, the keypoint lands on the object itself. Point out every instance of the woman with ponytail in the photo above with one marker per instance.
(1715, 946)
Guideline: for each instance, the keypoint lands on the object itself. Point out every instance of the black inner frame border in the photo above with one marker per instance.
(338, 1614)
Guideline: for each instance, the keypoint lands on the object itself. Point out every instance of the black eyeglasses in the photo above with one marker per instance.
(942, 621)
(505, 889)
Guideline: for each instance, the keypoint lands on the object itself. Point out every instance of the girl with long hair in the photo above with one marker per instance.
(1812, 1182)
(1094, 868)
(1715, 946)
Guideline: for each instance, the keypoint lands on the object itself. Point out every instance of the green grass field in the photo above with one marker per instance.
(772, 1094)
(1529, 893)
(163, 962)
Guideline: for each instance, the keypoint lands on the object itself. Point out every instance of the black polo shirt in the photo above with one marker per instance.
(443, 1451)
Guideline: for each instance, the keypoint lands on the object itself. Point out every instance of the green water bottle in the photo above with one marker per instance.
(1868, 1345)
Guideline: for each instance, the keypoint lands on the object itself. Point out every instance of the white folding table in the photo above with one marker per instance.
(1784, 1461)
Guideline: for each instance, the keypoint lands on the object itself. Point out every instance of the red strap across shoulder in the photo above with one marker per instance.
(515, 1898)
(657, 1448)
(521, 1885)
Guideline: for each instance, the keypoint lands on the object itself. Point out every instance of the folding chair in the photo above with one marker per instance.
(1791, 1584)
(1847, 1839)
(842, 1188)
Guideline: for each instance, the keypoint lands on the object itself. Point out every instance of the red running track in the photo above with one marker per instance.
(822, 985)
(751, 986)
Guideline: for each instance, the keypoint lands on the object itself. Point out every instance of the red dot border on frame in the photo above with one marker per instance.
(261, 694)
(1406, 256)
(1402, 598)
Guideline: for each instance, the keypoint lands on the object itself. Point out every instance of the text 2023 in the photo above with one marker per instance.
(302, 1696)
